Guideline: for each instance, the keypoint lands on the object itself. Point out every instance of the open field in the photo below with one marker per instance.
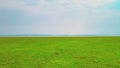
(60, 52)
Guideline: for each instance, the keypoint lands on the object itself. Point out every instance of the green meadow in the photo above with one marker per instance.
(59, 52)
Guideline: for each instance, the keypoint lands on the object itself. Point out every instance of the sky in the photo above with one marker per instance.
(60, 17)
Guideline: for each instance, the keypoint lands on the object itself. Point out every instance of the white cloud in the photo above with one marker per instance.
(20, 5)
(53, 5)
(63, 16)
(85, 3)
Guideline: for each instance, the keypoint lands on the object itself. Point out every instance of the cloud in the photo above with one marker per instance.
(45, 6)
(60, 16)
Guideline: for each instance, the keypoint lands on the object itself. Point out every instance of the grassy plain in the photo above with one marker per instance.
(60, 52)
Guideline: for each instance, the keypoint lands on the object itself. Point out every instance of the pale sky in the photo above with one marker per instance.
(59, 17)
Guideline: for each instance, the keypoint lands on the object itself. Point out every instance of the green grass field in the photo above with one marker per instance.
(60, 52)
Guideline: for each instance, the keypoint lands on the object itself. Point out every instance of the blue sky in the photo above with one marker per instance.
(71, 17)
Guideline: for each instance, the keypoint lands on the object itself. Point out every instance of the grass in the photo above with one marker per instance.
(59, 52)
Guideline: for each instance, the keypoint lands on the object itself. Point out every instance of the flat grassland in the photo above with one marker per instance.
(60, 52)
